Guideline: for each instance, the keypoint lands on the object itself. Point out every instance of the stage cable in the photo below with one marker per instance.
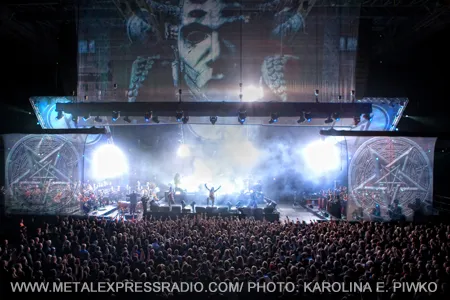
(240, 50)
(77, 32)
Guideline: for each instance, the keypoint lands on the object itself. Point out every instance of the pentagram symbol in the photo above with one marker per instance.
(45, 163)
(388, 169)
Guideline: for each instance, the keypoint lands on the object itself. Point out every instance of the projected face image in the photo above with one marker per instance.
(208, 46)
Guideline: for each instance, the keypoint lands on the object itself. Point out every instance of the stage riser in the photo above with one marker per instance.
(172, 215)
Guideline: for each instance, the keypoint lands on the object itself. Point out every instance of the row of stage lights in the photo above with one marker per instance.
(242, 116)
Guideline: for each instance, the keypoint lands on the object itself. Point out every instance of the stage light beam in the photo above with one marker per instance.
(109, 162)
(322, 157)
(183, 151)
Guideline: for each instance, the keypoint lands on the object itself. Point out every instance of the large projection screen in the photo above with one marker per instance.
(42, 173)
(279, 50)
(383, 171)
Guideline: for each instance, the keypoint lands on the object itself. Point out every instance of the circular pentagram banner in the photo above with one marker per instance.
(382, 170)
(42, 172)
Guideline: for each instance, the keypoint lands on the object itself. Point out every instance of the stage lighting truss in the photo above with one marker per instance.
(273, 118)
(213, 120)
(242, 116)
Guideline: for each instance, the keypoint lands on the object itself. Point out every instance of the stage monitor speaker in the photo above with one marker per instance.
(200, 209)
(268, 210)
(176, 209)
(211, 210)
(258, 211)
(245, 210)
(164, 209)
(222, 209)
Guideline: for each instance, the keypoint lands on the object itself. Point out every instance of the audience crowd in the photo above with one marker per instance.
(232, 250)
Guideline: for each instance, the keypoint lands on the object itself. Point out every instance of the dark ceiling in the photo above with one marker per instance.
(402, 52)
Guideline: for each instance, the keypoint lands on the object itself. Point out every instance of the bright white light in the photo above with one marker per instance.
(183, 151)
(252, 93)
(322, 156)
(109, 162)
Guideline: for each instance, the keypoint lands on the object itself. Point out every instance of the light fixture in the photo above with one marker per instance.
(115, 115)
(85, 118)
(242, 116)
(98, 119)
(75, 118)
(308, 117)
(336, 116)
(185, 119)
(329, 120)
(356, 120)
(147, 116)
(59, 115)
(127, 119)
(273, 118)
(213, 120)
(179, 116)
(367, 117)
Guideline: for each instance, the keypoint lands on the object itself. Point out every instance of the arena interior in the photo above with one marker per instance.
(276, 143)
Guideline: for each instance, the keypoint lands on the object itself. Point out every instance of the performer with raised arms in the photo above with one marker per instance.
(211, 196)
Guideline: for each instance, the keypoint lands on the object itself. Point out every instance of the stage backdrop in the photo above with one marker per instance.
(384, 169)
(280, 50)
(42, 173)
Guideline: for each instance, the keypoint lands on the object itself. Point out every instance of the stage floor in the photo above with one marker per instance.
(286, 210)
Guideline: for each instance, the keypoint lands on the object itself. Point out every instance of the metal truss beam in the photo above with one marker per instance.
(357, 133)
(92, 130)
(219, 109)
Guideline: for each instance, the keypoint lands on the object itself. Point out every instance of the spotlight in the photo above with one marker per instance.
(60, 115)
(185, 119)
(147, 116)
(85, 118)
(242, 116)
(98, 119)
(115, 115)
(367, 117)
(273, 118)
(155, 119)
(357, 120)
(308, 117)
(329, 120)
(126, 119)
(213, 120)
(336, 116)
(179, 116)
